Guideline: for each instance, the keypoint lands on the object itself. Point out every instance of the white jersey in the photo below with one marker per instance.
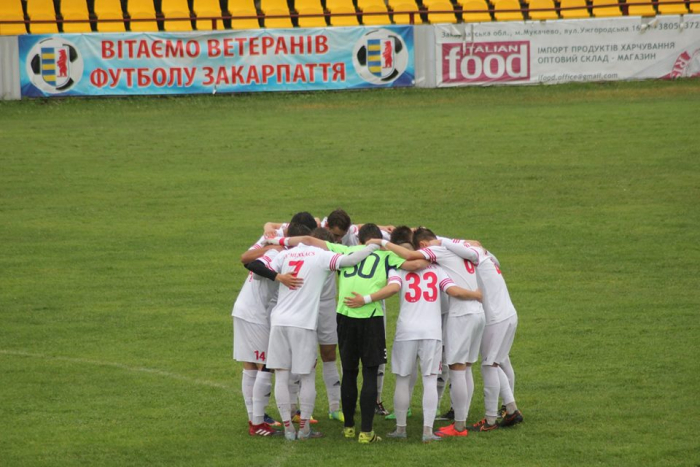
(257, 297)
(351, 237)
(420, 315)
(463, 274)
(497, 303)
(329, 292)
(299, 308)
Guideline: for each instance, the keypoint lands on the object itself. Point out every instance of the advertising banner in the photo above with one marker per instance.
(567, 50)
(216, 61)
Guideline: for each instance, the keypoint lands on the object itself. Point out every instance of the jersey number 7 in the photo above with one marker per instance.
(297, 266)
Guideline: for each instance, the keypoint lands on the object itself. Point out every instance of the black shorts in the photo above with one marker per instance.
(361, 339)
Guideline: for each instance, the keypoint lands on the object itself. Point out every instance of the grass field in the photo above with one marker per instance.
(122, 221)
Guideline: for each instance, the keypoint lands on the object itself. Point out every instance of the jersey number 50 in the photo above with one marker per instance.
(361, 270)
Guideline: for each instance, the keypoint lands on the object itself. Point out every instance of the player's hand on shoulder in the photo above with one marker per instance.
(269, 230)
(290, 280)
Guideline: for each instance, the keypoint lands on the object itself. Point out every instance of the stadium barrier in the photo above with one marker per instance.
(606, 49)
(496, 10)
(465, 54)
(9, 69)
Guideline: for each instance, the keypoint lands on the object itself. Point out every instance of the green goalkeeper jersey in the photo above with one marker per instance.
(365, 278)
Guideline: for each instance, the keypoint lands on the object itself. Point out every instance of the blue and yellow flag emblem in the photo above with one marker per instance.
(380, 57)
(55, 65)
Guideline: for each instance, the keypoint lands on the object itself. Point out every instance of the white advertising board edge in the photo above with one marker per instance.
(9, 68)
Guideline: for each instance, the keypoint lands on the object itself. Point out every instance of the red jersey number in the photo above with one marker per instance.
(429, 283)
(297, 267)
(469, 266)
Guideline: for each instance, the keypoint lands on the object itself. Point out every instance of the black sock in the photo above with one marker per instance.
(368, 396)
(348, 395)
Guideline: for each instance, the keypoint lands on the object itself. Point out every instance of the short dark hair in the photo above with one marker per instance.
(340, 219)
(401, 234)
(306, 219)
(369, 231)
(322, 234)
(422, 234)
(296, 229)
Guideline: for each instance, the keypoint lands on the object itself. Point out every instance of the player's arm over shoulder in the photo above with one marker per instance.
(400, 251)
(415, 265)
(463, 249)
(355, 257)
(254, 253)
(291, 242)
(452, 289)
(463, 294)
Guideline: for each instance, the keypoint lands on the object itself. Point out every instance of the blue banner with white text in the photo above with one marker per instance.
(216, 61)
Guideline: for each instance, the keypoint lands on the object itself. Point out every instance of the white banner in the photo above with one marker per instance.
(567, 50)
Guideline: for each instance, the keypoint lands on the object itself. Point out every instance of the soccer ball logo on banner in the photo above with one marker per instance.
(380, 56)
(54, 65)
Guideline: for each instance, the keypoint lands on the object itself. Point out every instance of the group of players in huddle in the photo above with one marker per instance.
(454, 305)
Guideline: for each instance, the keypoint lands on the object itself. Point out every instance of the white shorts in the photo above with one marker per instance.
(292, 349)
(404, 353)
(463, 338)
(497, 341)
(250, 341)
(327, 326)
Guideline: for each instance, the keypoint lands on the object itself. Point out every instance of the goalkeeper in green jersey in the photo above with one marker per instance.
(361, 335)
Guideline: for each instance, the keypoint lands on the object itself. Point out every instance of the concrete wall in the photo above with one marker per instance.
(9, 73)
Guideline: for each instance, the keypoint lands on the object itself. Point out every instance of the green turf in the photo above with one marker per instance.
(122, 221)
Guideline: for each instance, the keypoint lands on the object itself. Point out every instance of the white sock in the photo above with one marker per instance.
(332, 380)
(458, 393)
(412, 383)
(261, 395)
(293, 392)
(505, 391)
(470, 387)
(247, 384)
(507, 368)
(380, 381)
(307, 398)
(282, 398)
(401, 399)
(430, 400)
(442, 380)
(491, 390)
